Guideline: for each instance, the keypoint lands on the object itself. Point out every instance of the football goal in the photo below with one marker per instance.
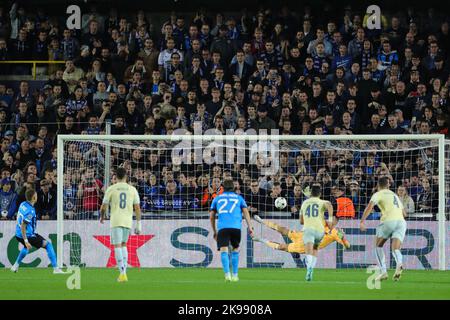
(178, 176)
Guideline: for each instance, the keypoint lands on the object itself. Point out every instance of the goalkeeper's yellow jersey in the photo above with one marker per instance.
(313, 211)
(390, 205)
(121, 197)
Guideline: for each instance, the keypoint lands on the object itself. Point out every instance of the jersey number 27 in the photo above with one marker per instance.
(224, 207)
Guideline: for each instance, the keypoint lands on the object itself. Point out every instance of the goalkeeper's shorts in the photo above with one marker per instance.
(119, 235)
(392, 229)
(296, 246)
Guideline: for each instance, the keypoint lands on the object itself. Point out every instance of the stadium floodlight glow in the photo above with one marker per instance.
(176, 232)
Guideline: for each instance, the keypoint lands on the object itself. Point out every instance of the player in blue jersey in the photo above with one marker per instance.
(26, 232)
(229, 207)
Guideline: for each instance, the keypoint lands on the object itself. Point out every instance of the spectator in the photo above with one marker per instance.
(8, 200)
(343, 205)
(149, 54)
(356, 197)
(255, 197)
(429, 59)
(356, 45)
(70, 45)
(89, 190)
(72, 75)
(213, 190)
(387, 56)
(320, 38)
(343, 60)
(223, 45)
(263, 122)
(46, 203)
(165, 56)
(240, 70)
(134, 120)
(425, 200)
(442, 125)
(295, 198)
(20, 49)
(99, 97)
(137, 67)
(40, 50)
(406, 200)
(24, 94)
(76, 103)
(393, 127)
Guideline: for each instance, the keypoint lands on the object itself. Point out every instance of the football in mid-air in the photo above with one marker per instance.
(280, 203)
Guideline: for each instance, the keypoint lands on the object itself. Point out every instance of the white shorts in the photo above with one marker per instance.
(392, 229)
(119, 235)
(312, 236)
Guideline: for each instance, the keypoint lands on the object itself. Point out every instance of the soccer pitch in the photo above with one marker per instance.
(209, 284)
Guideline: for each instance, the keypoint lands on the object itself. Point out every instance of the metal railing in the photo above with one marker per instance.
(33, 62)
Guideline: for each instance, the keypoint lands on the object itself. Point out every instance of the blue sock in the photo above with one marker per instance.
(235, 262)
(22, 255)
(51, 254)
(225, 262)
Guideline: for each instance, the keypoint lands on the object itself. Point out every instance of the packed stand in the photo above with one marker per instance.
(309, 73)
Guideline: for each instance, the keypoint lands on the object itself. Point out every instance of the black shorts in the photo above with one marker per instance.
(228, 236)
(36, 241)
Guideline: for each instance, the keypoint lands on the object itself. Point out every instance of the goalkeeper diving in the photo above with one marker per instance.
(331, 235)
(296, 246)
(311, 239)
(122, 198)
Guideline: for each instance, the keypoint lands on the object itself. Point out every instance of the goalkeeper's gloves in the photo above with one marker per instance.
(138, 227)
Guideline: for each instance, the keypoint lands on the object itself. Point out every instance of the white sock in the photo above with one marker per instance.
(379, 252)
(398, 257)
(314, 260)
(309, 260)
(125, 259)
(119, 258)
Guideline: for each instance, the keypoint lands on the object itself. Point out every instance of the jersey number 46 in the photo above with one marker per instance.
(312, 210)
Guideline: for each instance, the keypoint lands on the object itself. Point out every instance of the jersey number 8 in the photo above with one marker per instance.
(122, 200)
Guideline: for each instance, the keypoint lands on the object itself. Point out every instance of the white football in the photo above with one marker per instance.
(280, 203)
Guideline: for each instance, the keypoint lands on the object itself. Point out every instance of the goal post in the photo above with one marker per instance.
(401, 150)
(442, 200)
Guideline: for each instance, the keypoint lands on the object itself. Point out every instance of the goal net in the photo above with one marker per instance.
(178, 176)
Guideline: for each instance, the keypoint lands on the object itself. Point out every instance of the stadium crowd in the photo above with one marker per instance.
(309, 72)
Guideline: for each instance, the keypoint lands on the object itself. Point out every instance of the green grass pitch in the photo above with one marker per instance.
(204, 284)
